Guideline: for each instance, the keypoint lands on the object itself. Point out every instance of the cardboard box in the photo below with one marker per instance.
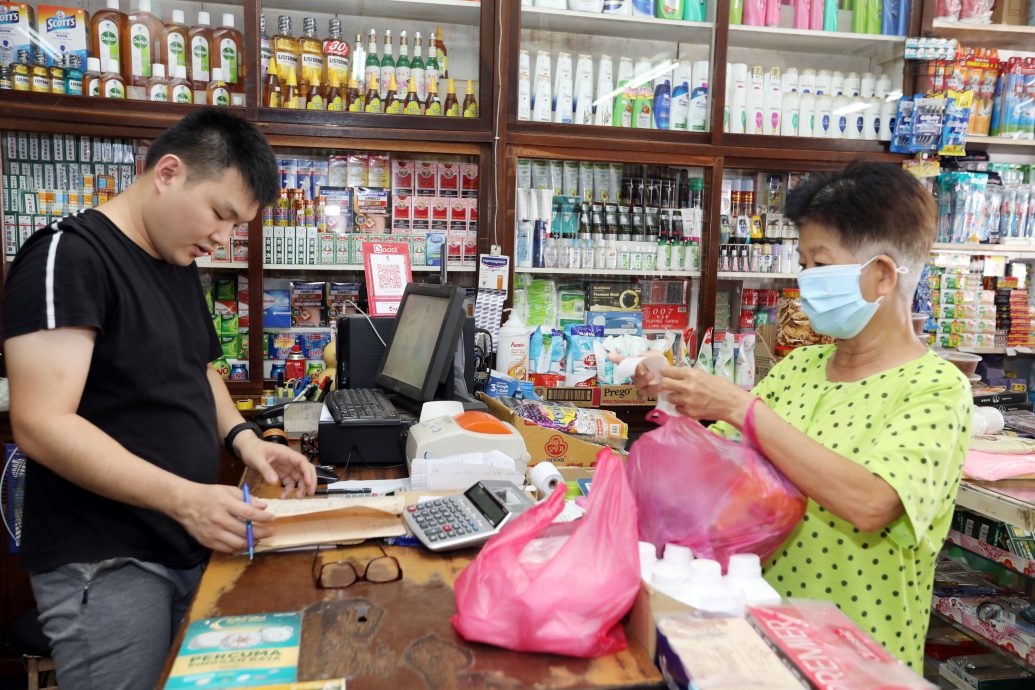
(595, 396)
(650, 607)
(547, 445)
(15, 30)
(569, 474)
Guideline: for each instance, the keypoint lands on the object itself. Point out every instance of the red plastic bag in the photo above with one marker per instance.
(716, 496)
(558, 589)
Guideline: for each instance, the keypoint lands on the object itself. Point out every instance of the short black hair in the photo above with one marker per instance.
(210, 140)
(869, 204)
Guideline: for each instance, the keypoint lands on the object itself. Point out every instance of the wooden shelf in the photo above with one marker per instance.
(1011, 501)
(358, 268)
(586, 23)
(229, 265)
(987, 35)
(984, 249)
(20, 110)
(807, 145)
(742, 275)
(1002, 144)
(1016, 563)
(825, 42)
(432, 11)
(321, 123)
(595, 272)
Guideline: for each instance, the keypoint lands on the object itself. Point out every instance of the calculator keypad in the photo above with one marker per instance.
(447, 518)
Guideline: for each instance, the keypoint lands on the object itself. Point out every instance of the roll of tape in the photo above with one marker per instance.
(545, 477)
(275, 436)
(246, 404)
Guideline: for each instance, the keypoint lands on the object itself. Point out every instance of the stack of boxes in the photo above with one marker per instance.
(1018, 313)
(757, 308)
(328, 209)
(964, 313)
(49, 176)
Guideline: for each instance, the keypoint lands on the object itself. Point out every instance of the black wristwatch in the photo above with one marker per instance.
(228, 442)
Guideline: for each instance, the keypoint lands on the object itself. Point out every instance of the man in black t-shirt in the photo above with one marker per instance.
(108, 341)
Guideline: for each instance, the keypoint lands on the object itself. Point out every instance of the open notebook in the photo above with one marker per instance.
(332, 520)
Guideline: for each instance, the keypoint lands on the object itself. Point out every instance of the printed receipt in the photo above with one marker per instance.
(291, 507)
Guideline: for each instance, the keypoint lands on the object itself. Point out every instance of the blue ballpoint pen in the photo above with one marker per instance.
(248, 526)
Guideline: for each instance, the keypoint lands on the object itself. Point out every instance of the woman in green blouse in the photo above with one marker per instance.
(872, 429)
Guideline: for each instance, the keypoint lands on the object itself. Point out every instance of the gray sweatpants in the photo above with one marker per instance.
(111, 623)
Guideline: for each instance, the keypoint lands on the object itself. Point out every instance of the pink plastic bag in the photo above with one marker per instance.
(716, 496)
(558, 589)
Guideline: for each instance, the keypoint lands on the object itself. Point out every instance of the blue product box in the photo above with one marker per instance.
(433, 255)
(276, 309)
(617, 322)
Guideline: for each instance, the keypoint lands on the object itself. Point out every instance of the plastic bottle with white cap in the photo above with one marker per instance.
(744, 572)
(512, 348)
(707, 590)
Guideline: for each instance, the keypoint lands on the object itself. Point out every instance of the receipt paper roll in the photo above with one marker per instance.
(545, 477)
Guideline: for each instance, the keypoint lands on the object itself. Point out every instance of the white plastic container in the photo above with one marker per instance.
(552, 4)
(807, 115)
(524, 86)
(744, 573)
(595, 6)
(698, 119)
(707, 591)
(512, 348)
(755, 102)
(807, 81)
(773, 102)
(824, 125)
(871, 120)
(888, 110)
(563, 90)
(620, 7)
(868, 85)
(789, 116)
(605, 85)
(738, 102)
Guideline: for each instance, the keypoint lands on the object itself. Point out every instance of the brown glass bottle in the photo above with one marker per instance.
(470, 103)
(310, 53)
(271, 96)
(335, 101)
(451, 106)
(354, 102)
(433, 106)
(92, 78)
(289, 89)
(286, 49)
(372, 102)
(113, 84)
(413, 104)
(180, 89)
(107, 27)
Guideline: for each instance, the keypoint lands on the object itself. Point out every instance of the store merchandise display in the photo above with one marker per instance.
(1002, 535)
(989, 203)
(675, 10)
(310, 73)
(806, 102)
(754, 236)
(668, 95)
(1002, 89)
(890, 18)
(133, 56)
(49, 176)
(227, 300)
(1006, 12)
(328, 208)
(592, 216)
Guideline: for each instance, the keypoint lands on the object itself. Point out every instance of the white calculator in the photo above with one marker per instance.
(467, 519)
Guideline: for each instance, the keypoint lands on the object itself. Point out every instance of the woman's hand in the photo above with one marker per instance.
(698, 395)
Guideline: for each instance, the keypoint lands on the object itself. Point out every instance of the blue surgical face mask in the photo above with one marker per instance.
(832, 299)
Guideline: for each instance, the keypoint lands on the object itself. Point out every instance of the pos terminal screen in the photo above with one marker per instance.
(420, 323)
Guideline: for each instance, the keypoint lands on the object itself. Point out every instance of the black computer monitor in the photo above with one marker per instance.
(428, 326)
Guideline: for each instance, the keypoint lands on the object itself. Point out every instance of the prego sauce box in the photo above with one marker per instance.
(828, 650)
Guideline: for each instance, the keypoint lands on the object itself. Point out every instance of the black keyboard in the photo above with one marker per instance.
(365, 406)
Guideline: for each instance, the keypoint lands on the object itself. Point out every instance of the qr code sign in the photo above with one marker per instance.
(390, 277)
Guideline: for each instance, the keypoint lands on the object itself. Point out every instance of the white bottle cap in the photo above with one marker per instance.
(705, 572)
(228, 20)
(180, 72)
(93, 64)
(204, 19)
(113, 4)
(144, 6)
(677, 553)
(158, 70)
(178, 17)
(746, 565)
(667, 576)
(217, 74)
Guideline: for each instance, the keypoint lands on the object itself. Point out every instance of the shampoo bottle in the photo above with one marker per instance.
(817, 15)
(643, 108)
(830, 14)
(619, 7)
(662, 105)
(790, 109)
(773, 102)
(668, 9)
(604, 112)
(695, 11)
(563, 98)
(524, 86)
(642, 8)
(772, 13)
(807, 115)
(738, 103)
(698, 117)
(756, 101)
(541, 95)
(736, 12)
(680, 106)
(802, 10)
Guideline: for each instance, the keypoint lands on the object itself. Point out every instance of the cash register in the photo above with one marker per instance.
(423, 359)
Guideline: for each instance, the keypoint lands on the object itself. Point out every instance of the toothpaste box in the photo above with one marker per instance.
(15, 31)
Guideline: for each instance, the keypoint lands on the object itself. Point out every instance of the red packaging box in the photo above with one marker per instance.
(402, 177)
(469, 179)
(402, 208)
(828, 650)
(440, 214)
(449, 180)
(457, 215)
(427, 178)
(420, 213)
(472, 215)
(664, 317)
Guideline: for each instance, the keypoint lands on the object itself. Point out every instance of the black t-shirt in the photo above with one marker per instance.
(147, 386)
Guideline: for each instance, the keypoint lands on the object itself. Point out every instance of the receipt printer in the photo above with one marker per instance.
(469, 432)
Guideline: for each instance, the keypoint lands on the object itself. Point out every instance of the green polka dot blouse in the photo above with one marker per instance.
(910, 427)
